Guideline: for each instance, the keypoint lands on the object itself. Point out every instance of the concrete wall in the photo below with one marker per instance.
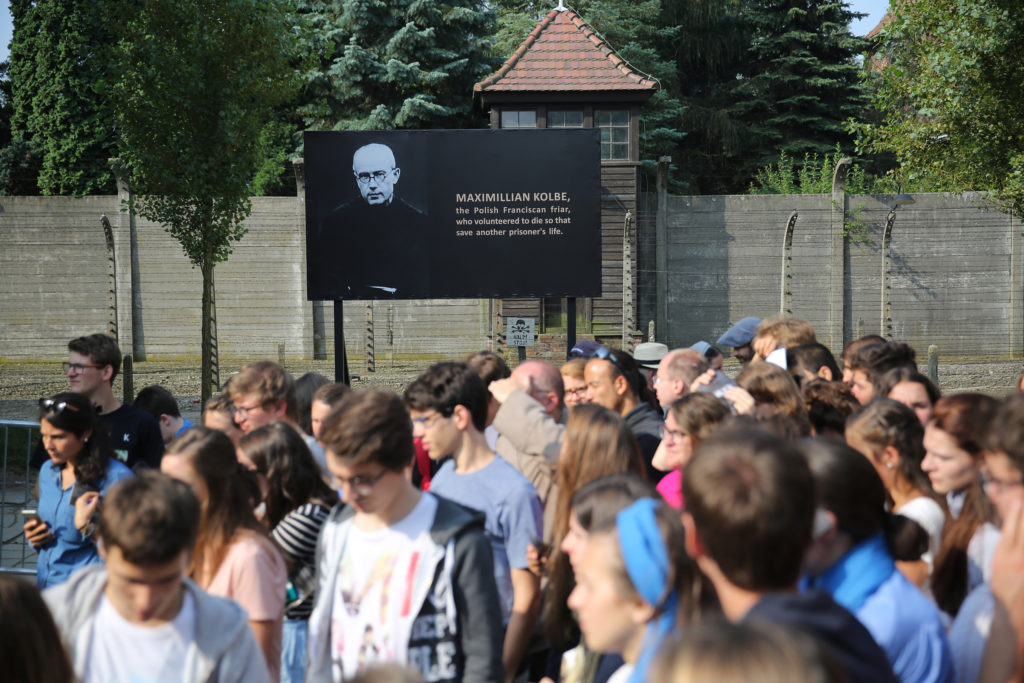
(54, 286)
(956, 280)
(955, 273)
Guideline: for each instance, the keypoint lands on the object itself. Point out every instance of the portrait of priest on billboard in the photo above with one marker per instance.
(374, 244)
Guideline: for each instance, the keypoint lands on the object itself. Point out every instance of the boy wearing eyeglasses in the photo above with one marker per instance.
(403, 575)
(92, 365)
(448, 404)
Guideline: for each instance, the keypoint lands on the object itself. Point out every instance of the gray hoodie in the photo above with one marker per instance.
(454, 578)
(224, 649)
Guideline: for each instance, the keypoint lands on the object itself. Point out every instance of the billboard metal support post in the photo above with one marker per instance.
(340, 357)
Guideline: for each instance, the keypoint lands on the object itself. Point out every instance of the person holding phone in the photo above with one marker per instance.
(80, 468)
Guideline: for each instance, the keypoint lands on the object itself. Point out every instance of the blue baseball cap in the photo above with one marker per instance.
(740, 334)
(584, 348)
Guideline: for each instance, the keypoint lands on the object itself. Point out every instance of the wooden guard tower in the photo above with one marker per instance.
(565, 75)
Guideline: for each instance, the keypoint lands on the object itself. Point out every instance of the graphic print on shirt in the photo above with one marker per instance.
(432, 649)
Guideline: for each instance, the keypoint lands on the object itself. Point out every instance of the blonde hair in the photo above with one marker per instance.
(573, 368)
(775, 388)
(787, 331)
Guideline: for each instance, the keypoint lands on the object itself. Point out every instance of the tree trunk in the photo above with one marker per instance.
(207, 331)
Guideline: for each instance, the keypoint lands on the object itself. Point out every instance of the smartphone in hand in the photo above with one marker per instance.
(31, 515)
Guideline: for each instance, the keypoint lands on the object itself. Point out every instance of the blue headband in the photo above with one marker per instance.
(648, 566)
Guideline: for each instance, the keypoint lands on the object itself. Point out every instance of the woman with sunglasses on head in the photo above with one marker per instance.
(233, 557)
(80, 469)
(296, 502)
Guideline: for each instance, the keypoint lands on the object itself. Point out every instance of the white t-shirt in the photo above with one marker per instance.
(932, 518)
(371, 608)
(123, 651)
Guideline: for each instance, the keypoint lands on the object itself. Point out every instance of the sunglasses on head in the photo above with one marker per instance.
(56, 407)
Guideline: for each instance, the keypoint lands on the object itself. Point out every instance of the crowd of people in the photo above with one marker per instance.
(622, 517)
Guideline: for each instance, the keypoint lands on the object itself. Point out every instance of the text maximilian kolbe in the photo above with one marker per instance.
(540, 212)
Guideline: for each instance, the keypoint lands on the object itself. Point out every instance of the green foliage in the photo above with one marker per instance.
(20, 163)
(59, 57)
(711, 49)
(6, 104)
(947, 82)
(402, 64)
(197, 84)
(814, 175)
(801, 82)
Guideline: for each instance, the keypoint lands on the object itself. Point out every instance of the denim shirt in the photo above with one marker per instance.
(69, 551)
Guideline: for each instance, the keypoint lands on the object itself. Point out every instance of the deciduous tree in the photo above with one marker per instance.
(947, 80)
(198, 80)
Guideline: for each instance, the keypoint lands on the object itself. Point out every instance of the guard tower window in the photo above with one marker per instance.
(614, 125)
(526, 118)
(565, 119)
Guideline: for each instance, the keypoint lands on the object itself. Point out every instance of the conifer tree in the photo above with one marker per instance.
(801, 83)
(60, 56)
(400, 64)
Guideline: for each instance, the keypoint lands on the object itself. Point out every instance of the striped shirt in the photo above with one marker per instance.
(296, 535)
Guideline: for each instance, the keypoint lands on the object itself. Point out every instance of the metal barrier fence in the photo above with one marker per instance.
(17, 438)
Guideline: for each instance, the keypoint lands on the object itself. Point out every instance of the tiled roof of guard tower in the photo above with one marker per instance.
(564, 54)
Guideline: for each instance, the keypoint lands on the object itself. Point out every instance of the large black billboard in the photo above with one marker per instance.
(453, 213)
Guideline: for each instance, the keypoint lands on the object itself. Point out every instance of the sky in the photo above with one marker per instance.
(875, 9)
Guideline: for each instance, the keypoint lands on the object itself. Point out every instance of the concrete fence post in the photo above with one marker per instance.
(1016, 345)
(885, 323)
(933, 363)
(316, 322)
(661, 246)
(628, 315)
(128, 379)
(128, 275)
(370, 360)
(108, 236)
(837, 258)
(786, 295)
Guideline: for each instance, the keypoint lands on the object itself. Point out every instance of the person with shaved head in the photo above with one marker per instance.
(375, 244)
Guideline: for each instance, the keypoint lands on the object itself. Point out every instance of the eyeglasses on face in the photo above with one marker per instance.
(78, 367)
(664, 431)
(377, 176)
(360, 484)
(987, 481)
(426, 421)
(245, 410)
(55, 407)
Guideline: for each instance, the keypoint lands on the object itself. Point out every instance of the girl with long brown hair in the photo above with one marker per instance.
(233, 557)
(297, 502)
(954, 454)
(597, 443)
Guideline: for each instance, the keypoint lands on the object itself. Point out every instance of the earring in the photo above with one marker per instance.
(888, 465)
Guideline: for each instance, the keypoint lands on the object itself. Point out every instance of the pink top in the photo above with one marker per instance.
(254, 575)
(671, 488)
